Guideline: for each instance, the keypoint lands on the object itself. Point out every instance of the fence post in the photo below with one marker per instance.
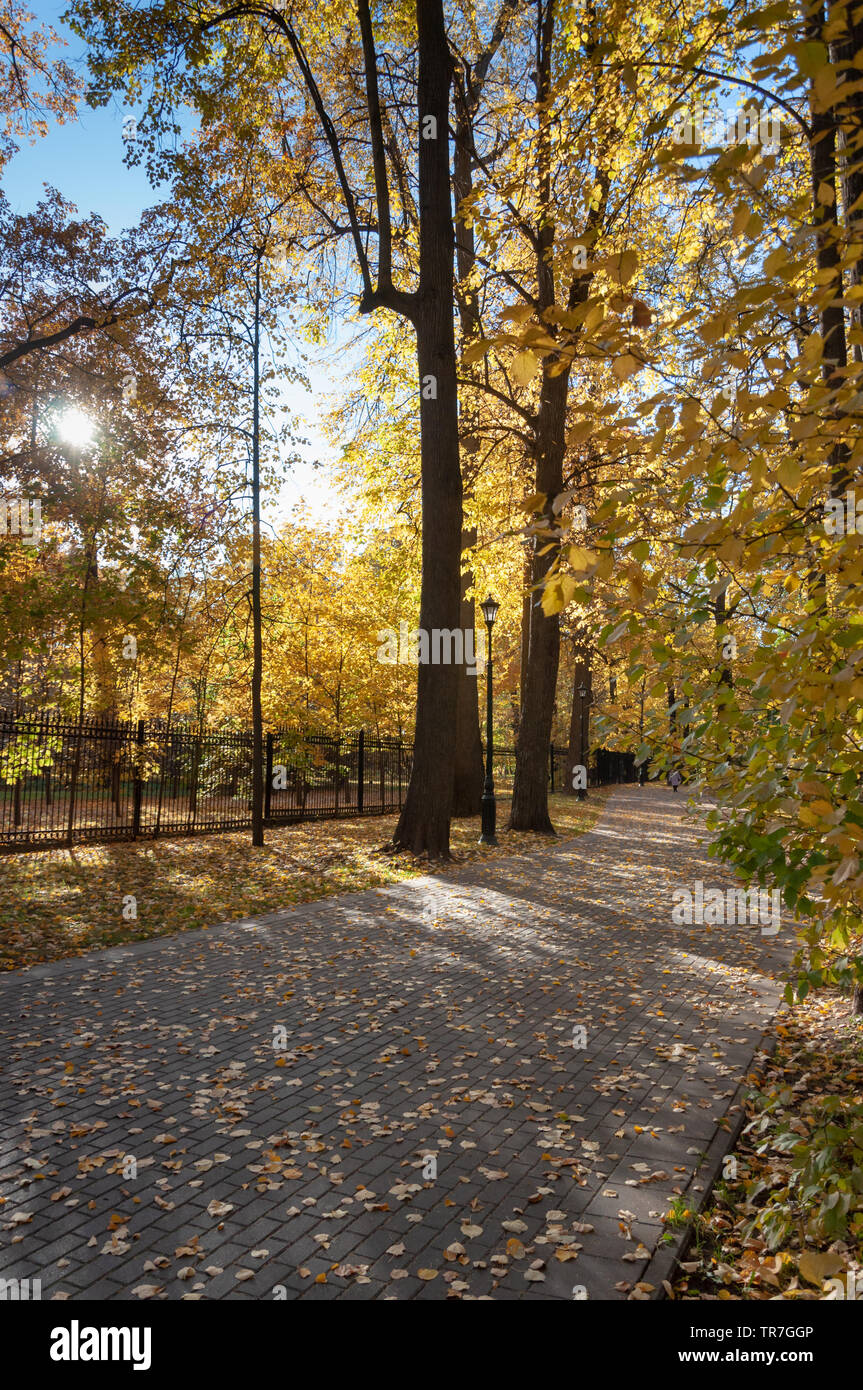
(551, 763)
(163, 769)
(268, 783)
(361, 763)
(73, 782)
(138, 785)
(193, 785)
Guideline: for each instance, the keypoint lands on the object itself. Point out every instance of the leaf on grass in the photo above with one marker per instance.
(815, 1268)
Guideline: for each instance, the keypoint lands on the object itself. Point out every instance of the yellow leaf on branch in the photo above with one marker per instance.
(626, 366)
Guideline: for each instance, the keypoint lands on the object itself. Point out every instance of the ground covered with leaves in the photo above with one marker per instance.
(487, 1083)
(787, 1221)
(61, 902)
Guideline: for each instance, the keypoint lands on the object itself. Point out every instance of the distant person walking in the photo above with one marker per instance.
(675, 780)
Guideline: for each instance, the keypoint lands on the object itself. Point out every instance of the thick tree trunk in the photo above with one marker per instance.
(469, 770)
(257, 638)
(579, 722)
(530, 787)
(467, 89)
(846, 45)
(539, 672)
(525, 638)
(424, 823)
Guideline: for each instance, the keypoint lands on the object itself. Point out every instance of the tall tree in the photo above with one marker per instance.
(321, 102)
(469, 79)
(423, 825)
(257, 637)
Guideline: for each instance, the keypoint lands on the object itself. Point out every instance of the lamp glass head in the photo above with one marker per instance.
(489, 610)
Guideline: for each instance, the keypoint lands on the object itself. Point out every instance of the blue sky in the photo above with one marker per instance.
(84, 161)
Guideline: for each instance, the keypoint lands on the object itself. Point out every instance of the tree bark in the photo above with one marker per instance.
(539, 672)
(846, 121)
(848, 116)
(467, 89)
(582, 675)
(469, 773)
(257, 641)
(524, 651)
(822, 151)
(720, 619)
(529, 809)
(530, 786)
(424, 823)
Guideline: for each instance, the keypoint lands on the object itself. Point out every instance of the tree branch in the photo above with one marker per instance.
(379, 159)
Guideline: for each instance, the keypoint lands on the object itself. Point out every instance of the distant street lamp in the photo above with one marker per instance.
(582, 695)
(489, 807)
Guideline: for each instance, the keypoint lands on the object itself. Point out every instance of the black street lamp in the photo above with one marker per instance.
(489, 806)
(582, 695)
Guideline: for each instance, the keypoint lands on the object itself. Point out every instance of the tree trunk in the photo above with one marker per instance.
(530, 787)
(822, 155)
(524, 651)
(843, 119)
(726, 679)
(581, 675)
(469, 771)
(539, 675)
(424, 823)
(257, 642)
(848, 114)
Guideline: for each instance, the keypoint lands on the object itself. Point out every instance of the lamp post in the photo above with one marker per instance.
(582, 695)
(489, 807)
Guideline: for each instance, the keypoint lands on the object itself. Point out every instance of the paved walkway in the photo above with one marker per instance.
(377, 1095)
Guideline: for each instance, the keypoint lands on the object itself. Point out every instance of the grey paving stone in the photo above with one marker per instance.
(508, 955)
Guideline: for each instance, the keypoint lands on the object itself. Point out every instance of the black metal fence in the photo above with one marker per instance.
(64, 782)
(604, 767)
